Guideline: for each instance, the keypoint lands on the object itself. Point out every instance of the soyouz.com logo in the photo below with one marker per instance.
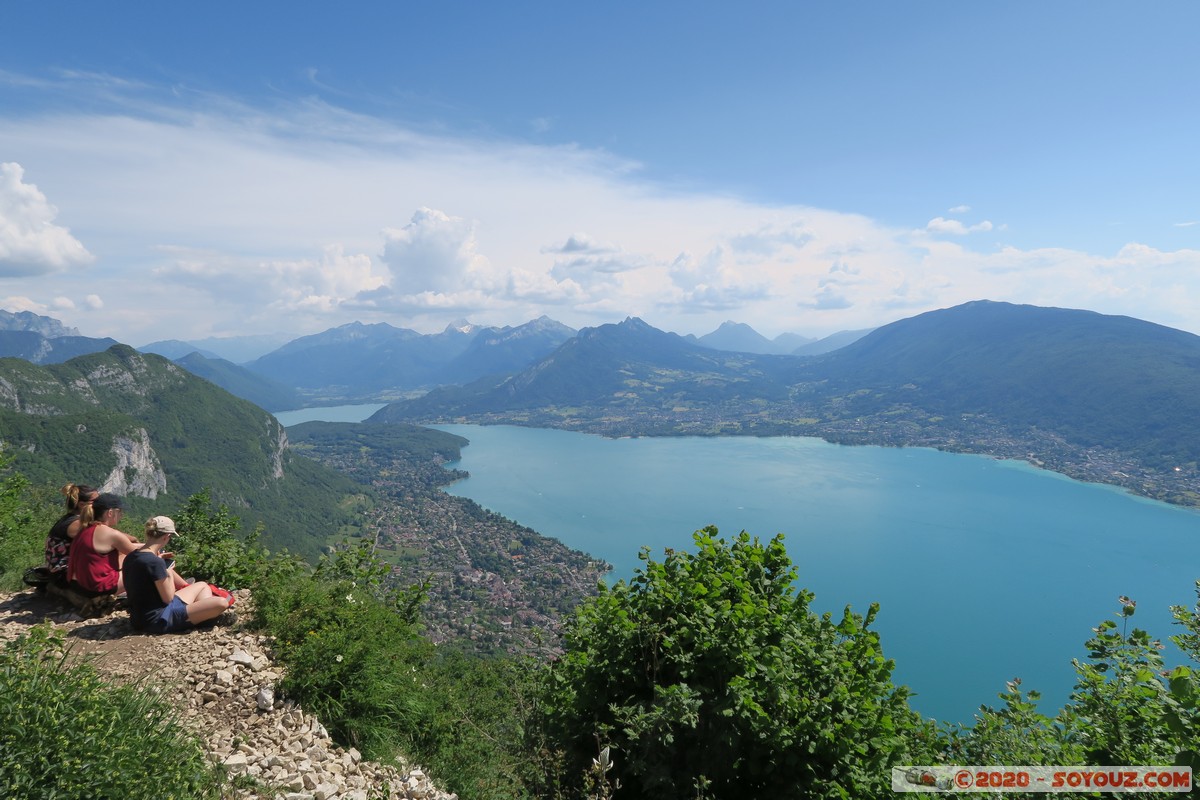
(1041, 779)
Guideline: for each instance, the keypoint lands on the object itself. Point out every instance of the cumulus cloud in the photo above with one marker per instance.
(62, 304)
(93, 302)
(953, 226)
(19, 303)
(434, 253)
(30, 242)
(771, 240)
(303, 285)
(585, 269)
(711, 283)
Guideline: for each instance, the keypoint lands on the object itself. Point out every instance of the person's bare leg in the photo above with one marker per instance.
(197, 591)
(210, 607)
(202, 604)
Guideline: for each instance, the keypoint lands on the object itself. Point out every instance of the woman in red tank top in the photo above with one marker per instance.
(99, 549)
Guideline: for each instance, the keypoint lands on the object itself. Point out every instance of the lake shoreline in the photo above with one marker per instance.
(909, 527)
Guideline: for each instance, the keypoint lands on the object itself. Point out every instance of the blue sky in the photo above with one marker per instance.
(177, 171)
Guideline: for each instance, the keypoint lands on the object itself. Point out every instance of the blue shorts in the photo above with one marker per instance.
(171, 619)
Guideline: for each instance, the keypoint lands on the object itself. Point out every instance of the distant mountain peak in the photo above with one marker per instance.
(28, 321)
(461, 326)
(736, 337)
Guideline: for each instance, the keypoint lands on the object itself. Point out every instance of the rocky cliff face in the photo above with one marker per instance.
(138, 472)
(281, 446)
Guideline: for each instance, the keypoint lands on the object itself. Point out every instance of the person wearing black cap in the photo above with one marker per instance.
(157, 604)
(94, 564)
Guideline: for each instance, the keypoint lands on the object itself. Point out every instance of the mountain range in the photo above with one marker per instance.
(361, 363)
(43, 340)
(356, 360)
(1103, 397)
(1095, 396)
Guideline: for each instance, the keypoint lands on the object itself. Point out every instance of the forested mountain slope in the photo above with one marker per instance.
(141, 426)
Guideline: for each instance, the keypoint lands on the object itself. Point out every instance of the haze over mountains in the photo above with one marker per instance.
(364, 363)
(1102, 397)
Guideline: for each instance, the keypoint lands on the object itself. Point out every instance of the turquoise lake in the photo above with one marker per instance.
(986, 570)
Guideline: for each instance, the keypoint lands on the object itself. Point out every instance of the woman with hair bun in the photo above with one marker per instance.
(58, 542)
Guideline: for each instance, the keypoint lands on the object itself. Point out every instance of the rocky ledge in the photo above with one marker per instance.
(224, 680)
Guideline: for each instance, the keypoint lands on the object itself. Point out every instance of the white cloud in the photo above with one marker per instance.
(30, 242)
(434, 253)
(828, 298)
(771, 240)
(434, 264)
(233, 220)
(1187, 224)
(958, 210)
(18, 303)
(953, 226)
(710, 283)
(304, 286)
(62, 304)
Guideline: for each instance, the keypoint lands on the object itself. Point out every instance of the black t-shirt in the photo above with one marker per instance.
(142, 569)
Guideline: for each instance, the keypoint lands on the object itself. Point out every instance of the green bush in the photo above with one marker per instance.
(26, 515)
(355, 657)
(473, 737)
(1125, 707)
(208, 546)
(350, 658)
(707, 674)
(66, 733)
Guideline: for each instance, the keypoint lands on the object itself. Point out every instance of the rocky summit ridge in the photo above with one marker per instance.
(223, 679)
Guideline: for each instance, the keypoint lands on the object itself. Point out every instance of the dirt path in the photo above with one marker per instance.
(224, 679)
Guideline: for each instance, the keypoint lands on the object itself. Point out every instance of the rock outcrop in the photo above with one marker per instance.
(138, 472)
(224, 681)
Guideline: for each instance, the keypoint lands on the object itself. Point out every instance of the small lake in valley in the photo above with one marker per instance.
(353, 413)
(985, 569)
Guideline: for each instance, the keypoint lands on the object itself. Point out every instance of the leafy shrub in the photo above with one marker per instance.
(350, 657)
(26, 515)
(708, 674)
(474, 730)
(355, 657)
(66, 733)
(208, 546)
(1016, 733)
(1125, 708)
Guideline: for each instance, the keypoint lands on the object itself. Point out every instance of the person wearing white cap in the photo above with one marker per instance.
(157, 604)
